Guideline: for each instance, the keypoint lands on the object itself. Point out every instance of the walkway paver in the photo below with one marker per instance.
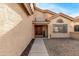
(38, 48)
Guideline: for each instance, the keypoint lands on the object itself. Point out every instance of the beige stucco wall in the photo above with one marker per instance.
(74, 35)
(14, 41)
(53, 21)
(48, 15)
(75, 23)
(8, 19)
(41, 16)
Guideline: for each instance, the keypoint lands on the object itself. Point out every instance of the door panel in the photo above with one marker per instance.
(38, 30)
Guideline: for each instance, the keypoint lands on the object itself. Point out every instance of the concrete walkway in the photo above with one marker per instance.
(38, 48)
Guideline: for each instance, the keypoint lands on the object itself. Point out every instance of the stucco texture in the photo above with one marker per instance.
(54, 21)
(14, 41)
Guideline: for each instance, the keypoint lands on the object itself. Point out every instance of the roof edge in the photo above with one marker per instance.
(63, 15)
(45, 11)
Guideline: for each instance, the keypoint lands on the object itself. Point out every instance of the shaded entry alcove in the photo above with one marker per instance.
(41, 31)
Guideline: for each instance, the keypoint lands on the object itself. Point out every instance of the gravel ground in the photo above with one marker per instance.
(62, 47)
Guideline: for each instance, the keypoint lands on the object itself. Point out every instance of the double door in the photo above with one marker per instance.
(40, 31)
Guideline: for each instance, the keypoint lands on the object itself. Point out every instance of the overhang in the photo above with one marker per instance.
(40, 23)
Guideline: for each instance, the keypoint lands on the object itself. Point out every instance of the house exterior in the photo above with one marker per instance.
(15, 28)
(60, 26)
(75, 25)
(20, 23)
(40, 23)
(52, 25)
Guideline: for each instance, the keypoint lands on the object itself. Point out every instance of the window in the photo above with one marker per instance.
(60, 21)
(76, 28)
(60, 28)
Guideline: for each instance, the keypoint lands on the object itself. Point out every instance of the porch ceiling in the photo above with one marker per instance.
(40, 23)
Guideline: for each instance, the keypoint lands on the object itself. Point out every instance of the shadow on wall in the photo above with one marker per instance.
(8, 19)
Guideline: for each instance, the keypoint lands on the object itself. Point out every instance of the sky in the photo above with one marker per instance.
(71, 9)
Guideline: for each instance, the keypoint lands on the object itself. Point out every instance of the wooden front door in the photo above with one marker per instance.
(41, 31)
(38, 31)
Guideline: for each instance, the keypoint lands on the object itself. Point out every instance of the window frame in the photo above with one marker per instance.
(60, 26)
(76, 28)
